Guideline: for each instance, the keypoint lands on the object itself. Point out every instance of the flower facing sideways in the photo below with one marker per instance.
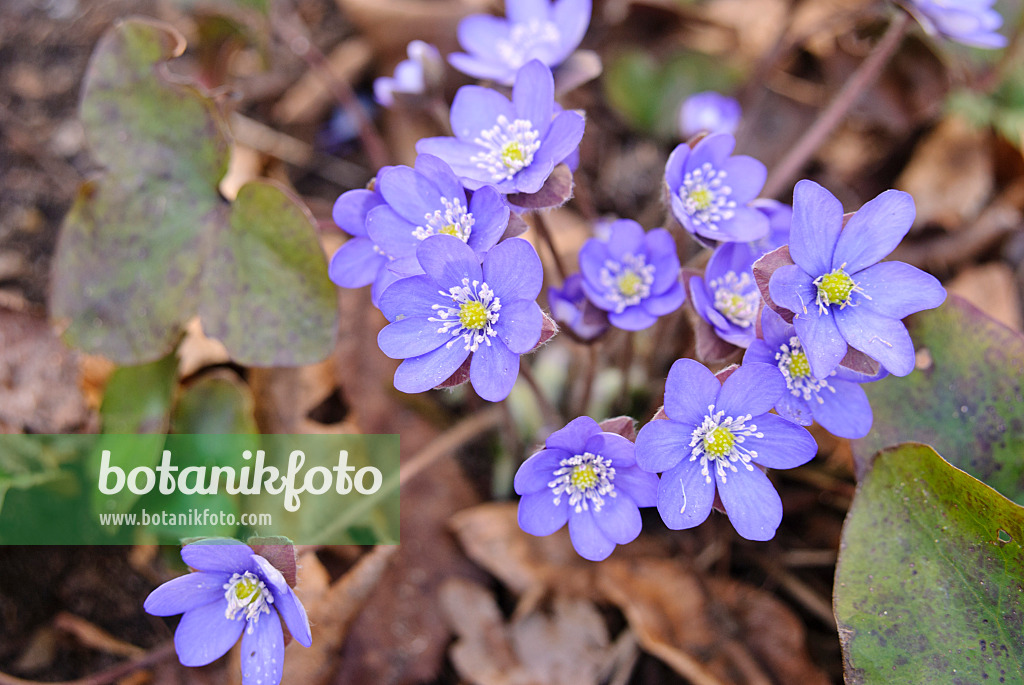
(457, 309)
(839, 292)
(971, 22)
(726, 296)
(589, 478)
(708, 111)
(233, 593)
(716, 439)
(511, 145)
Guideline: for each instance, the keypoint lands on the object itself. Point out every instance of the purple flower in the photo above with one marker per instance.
(457, 309)
(837, 403)
(710, 191)
(972, 22)
(426, 201)
(839, 292)
(413, 76)
(571, 308)
(533, 30)
(708, 111)
(513, 146)
(233, 593)
(780, 218)
(727, 297)
(406, 206)
(632, 275)
(716, 438)
(589, 478)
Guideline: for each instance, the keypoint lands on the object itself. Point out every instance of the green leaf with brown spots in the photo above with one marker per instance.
(965, 398)
(151, 242)
(930, 579)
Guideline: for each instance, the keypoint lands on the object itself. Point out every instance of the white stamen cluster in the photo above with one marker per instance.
(706, 197)
(795, 369)
(473, 316)
(454, 219)
(586, 479)
(720, 439)
(736, 297)
(509, 148)
(627, 281)
(525, 41)
(246, 592)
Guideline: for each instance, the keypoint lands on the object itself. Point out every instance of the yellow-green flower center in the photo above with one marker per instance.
(798, 365)
(245, 590)
(719, 441)
(701, 198)
(473, 315)
(513, 154)
(629, 283)
(583, 477)
(450, 229)
(835, 287)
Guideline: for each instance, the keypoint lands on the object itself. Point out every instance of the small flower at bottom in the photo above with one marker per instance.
(588, 478)
(458, 308)
(233, 593)
(716, 438)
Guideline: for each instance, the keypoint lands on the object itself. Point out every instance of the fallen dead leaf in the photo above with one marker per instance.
(992, 288)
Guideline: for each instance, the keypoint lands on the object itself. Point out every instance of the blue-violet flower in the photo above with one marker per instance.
(837, 403)
(413, 76)
(708, 112)
(511, 145)
(971, 22)
(571, 308)
(716, 438)
(589, 478)
(233, 593)
(632, 275)
(839, 292)
(457, 308)
(359, 262)
(496, 48)
(727, 297)
(710, 190)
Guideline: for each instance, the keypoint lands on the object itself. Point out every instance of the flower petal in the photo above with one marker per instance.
(494, 370)
(874, 231)
(410, 297)
(817, 222)
(661, 252)
(491, 216)
(746, 176)
(457, 154)
(879, 337)
(519, 325)
(845, 413)
(263, 651)
(537, 471)
(204, 634)
(667, 302)
(481, 33)
(562, 138)
(392, 233)
(350, 210)
(641, 486)
(793, 288)
(619, 518)
(823, 344)
(572, 18)
(784, 445)
(685, 496)
(633, 318)
(675, 168)
(662, 444)
(448, 261)
(759, 352)
(419, 374)
(713, 150)
(441, 175)
(896, 290)
(574, 435)
(218, 554)
(411, 194)
(522, 11)
(185, 593)
(753, 505)
(539, 515)
(626, 238)
(406, 338)
(513, 270)
(476, 109)
(689, 389)
(751, 389)
(533, 95)
(355, 264)
(612, 446)
(588, 540)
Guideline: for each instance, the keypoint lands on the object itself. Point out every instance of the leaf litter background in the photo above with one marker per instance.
(467, 597)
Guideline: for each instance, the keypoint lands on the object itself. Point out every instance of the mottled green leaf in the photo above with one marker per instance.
(146, 242)
(215, 405)
(267, 295)
(30, 461)
(930, 580)
(965, 398)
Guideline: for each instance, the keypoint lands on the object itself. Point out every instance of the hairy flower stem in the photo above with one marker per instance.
(861, 80)
(585, 386)
(545, 235)
(551, 414)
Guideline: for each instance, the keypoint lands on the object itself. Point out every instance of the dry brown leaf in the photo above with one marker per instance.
(391, 24)
(39, 377)
(992, 288)
(310, 98)
(568, 647)
(197, 351)
(950, 174)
